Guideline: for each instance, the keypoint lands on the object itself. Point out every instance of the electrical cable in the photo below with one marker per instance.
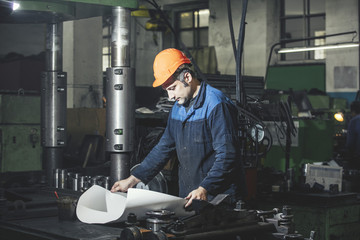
(289, 119)
(280, 128)
(231, 27)
(240, 91)
(249, 120)
(262, 154)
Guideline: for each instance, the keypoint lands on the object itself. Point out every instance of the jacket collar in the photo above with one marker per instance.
(200, 98)
(199, 101)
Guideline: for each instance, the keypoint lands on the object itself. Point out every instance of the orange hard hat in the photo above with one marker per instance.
(166, 63)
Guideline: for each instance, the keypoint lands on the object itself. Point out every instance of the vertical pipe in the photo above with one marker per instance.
(53, 102)
(120, 166)
(282, 28)
(120, 38)
(53, 47)
(120, 91)
(240, 90)
(306, 23)
(120, 119)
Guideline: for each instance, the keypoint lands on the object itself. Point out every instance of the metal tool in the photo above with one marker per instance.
(215, 222)
(158, 219)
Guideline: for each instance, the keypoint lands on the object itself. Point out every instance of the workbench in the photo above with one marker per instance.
(53, 228)
(331, 216)
(34, 216)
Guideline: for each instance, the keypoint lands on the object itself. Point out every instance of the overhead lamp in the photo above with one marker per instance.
(339, 116)
(321, 47)
(15, 6)
(7, 7)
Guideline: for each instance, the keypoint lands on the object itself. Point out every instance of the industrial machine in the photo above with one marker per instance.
(214, 220)
(120, 78)
(38, 214)
(20, 147)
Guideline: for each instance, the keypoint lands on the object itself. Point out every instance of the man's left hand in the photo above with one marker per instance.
(199, 193)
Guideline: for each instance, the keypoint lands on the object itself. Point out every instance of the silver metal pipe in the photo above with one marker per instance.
(56, 176)
(119, 166)
(120, 100)
(53, 102)
(120, 110)
(120, 120)
(53, 109)
(120, 37)
(52, 158)
(54, 47)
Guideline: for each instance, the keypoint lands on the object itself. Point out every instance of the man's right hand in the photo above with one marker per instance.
(125, 184)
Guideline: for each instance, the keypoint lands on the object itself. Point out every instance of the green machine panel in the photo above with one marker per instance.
(304, 77)
(20, 146)
(19, 109)
(335, 222)
(313, 143)
(335, 216)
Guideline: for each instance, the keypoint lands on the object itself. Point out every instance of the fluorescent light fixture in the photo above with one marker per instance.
(7, 7)
(304, 49)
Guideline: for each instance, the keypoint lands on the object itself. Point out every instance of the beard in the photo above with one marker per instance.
(184, 101)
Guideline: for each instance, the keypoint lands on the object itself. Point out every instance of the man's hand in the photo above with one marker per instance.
(199, 193)
(125, 184)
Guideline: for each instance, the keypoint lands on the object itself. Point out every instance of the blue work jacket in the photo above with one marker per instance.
(207, 145)
(353, 136)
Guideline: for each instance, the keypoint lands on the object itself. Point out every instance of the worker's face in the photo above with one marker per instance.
(179, 91)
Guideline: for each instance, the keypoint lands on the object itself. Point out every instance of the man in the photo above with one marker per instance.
(353, 133)
(202, 129)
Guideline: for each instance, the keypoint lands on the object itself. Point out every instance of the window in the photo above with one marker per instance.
(193, 27)
(301, 19)
(106, 47)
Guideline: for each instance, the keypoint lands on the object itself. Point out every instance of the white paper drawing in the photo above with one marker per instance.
(99, 205)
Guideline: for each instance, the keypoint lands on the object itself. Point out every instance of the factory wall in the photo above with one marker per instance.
(342, 66)
(21, 57)
(147, 45)
(261, 31)
(25, 39)
(68, 64)
(82, 60)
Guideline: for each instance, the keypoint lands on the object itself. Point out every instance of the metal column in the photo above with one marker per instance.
(53, 102)
(120, 104)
